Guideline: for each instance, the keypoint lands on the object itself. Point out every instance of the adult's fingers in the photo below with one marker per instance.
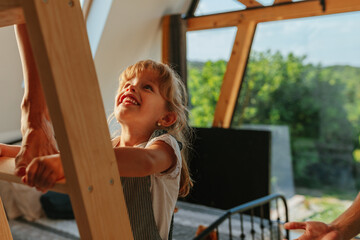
(31, 172)
(40, 171)
(48, 179)
(295, 225)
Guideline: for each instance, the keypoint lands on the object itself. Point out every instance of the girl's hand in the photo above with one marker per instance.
(43, 172)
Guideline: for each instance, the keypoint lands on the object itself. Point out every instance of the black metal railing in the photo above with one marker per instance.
(262, 219)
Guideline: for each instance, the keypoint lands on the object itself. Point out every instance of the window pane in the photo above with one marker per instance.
(304, 74)
(206, 7)
(208, 53)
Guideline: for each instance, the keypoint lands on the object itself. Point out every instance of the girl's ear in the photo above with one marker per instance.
(169, 119)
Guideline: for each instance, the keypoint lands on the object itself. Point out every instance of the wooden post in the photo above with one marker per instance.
(174, 44)
(59, 40)
(165, 39)
(5, 233)
(234, 75)
(10, 13)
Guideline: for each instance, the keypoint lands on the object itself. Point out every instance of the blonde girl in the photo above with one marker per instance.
(150, 106)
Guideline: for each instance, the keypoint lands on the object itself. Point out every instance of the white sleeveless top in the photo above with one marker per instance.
(165, 187)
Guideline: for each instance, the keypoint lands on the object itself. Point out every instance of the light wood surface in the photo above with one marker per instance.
(308, 8)
(234, 75)
(5, 233)
(86, 8)
(7, 167)
(281, 1)
(10, 13)
(59, 40)
(250, 3)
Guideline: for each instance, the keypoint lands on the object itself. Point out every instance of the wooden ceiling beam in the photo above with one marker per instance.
(234, 75)
(251, 3)
(273, 13)
(281, 1)
(10, 13)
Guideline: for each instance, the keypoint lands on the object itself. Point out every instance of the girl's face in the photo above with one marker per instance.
(139, 102)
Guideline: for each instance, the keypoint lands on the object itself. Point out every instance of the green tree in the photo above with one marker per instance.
(321, 106)
(204, 88)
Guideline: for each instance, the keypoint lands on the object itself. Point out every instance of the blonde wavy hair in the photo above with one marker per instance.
(172, 89)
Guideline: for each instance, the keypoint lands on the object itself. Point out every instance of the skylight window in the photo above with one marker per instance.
(207, 7)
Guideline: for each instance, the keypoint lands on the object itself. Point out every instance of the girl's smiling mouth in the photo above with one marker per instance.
(128, 99)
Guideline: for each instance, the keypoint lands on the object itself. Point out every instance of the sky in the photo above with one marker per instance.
(329, 40)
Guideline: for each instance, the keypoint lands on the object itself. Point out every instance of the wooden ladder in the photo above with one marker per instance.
(60, 44)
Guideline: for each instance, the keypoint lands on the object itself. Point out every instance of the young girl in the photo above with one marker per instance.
(150, 106)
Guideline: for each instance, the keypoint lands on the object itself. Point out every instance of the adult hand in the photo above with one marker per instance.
(315, 230)
(36, 142)
(43, 172)
(36, 127)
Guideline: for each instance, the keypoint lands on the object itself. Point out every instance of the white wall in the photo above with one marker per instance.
(11, 90)
(130, 32)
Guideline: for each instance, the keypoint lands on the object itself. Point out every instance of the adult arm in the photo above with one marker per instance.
(36, 127)
(345, 227)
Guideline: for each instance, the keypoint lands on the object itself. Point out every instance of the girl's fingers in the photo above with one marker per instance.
(295, 225)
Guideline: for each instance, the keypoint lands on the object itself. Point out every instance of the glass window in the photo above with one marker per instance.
(304, 74)
(208, 53)
(206, 7)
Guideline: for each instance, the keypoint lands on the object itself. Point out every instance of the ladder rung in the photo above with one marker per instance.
(10, 13)
(7, 167)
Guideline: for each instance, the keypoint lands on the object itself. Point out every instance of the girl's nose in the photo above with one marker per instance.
(131, 88)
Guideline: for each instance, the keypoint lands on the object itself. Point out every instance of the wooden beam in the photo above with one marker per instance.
(234, 74)
(86, 8)
(278, 12)
(165, 39)
(251, 3)
(281, 1)
(10, 13)
(67, 73)
(7, 169)
(5, 232)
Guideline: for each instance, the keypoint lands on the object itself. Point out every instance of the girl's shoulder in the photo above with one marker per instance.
(163, 134)
(174, 171)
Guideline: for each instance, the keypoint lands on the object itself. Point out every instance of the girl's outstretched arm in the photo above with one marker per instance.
(139, 162)
(9, 150)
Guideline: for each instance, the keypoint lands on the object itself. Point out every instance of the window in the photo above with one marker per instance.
(208, 53)
(304, 74)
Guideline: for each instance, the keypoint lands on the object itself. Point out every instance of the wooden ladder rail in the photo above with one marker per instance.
(5, 232)
(67, 73)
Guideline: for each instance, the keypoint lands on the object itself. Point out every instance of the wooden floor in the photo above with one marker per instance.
(186, 221)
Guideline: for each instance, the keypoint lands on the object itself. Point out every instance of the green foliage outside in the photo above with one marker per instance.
(320, 105)
(204, 86)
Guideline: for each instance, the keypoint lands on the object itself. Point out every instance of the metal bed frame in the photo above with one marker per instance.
(263, 220)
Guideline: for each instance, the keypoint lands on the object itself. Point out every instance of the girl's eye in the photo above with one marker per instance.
(148, 87)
